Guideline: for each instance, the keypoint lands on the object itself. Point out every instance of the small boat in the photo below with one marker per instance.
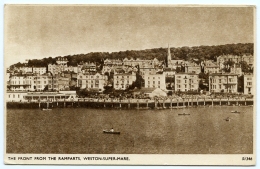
(111, 132)
(184, 114)
(235, 112)
(227, 119)
(46, 109)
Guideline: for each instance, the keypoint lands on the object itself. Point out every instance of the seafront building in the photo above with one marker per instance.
(95, 81)
(186, 82)
(180, 75)
(155, 81)
(22, 82)
(249, 84)
(123, 80)
(41, 82)
(223, 82)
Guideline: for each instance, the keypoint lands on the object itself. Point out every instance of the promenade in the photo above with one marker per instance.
(156, 103)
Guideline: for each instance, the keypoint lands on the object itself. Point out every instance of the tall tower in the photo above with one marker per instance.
(169, 57)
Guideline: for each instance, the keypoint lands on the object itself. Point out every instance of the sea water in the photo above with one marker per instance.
(80, 131)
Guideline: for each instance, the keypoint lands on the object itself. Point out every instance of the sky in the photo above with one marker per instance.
(35, 32)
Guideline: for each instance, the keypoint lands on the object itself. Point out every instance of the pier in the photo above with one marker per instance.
(130, 103)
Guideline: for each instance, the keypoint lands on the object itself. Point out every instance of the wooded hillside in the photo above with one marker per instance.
(185, 53)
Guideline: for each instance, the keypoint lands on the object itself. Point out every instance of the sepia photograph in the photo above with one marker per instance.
(129, 84)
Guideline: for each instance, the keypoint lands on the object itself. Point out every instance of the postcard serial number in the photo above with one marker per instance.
(247, 158)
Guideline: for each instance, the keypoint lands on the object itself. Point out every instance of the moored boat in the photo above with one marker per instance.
(235, 112)
(184, 114)
(227, 119)
(46, 109)
(111, 132)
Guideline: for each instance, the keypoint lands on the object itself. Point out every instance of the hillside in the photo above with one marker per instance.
(185, 53)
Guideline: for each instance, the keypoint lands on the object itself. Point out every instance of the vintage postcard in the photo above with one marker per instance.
(130, 84)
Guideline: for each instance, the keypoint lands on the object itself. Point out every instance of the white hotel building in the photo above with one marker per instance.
(186, 82)
(155, 81)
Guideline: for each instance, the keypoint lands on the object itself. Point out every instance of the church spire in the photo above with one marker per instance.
(169, 53)
(169, 57)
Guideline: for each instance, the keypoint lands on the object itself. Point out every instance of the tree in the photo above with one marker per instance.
(139, 83)
(170, 82)
(46, 88)
(202, 86)
(204, 81)
(108, 89)
(240, 84)
(245, 67)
